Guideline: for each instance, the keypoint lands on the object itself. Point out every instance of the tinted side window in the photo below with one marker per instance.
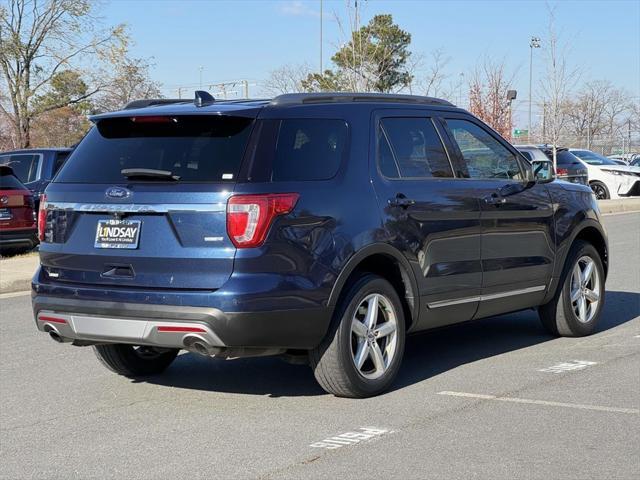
(484, 156)
(416, 147)
(308, 149)
(60, 159)
(24, 166)
(565, 157)
(387, 162)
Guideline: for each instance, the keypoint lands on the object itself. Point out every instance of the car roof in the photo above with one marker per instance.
(251, 107)
(38, 150)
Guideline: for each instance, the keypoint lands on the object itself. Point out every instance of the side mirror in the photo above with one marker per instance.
(543, 171)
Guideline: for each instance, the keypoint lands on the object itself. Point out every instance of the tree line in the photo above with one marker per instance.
(377, 58)
(60, 64)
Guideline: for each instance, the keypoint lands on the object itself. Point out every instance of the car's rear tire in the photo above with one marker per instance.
(600, 190)
(132, 361)
(575, 309)
(361, 354)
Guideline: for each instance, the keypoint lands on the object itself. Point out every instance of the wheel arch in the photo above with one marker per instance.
(590, 231)
(388, 262)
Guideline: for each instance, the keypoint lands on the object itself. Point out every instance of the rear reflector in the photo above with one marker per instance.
(52, 319)
(250, 216)
(182, 329)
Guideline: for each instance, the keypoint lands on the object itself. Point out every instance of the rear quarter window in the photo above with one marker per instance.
(298, 150)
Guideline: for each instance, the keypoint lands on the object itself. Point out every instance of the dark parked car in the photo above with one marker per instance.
(35, 167)
(18, 229)
(568, 166)
(324, 227)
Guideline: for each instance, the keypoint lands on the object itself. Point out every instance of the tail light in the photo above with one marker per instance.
(562, 171)
(42, 217)
(249, 217)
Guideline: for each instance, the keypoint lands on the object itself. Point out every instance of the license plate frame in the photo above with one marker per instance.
(117, 234)
(5, 214)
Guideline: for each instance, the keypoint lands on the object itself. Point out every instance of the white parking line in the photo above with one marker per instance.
(14, 294)
(350, 438)
(568, 366)
(545, 403)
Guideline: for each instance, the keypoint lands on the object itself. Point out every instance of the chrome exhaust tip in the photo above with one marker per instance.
(197, 344)
(54, 334)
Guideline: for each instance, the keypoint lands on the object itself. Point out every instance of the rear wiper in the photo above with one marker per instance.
(149, 173)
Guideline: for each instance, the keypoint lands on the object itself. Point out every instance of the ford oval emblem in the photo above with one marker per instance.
(118, 193)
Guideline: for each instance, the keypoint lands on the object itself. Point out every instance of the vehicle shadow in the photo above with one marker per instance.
(435, 352)
(426, 355)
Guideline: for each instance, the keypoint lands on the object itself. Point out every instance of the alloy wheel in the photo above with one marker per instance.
(599, 191)
(585, 289)
(374, 336)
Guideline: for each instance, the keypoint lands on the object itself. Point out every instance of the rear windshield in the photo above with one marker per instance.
(9, 182)
(24, 165)
(193, 148)
(563, 157)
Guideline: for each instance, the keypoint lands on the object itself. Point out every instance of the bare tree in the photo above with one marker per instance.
(488, 88)
(37, 39)
(558, 80)
(287, 79)
(435, 74)
(596, 109)
(130, 80)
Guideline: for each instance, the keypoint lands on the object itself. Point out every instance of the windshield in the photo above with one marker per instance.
(593, 158)
(194, 148)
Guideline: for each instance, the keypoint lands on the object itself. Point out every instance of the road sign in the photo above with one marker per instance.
(519, 133)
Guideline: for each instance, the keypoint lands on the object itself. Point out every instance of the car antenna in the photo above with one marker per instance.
(203, 98)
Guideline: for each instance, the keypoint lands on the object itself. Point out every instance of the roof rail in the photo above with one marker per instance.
(150, 102)
(340, 97)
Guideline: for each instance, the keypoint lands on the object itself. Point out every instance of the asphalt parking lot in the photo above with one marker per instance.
(496, 398)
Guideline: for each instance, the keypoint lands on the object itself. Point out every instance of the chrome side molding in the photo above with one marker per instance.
(482, 298)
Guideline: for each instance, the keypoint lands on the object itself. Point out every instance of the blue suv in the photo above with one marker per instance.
(323, 227)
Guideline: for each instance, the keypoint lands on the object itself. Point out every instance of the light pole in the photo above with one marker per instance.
(321, 19)
(534, 43)
(201, 68)
(511, 96)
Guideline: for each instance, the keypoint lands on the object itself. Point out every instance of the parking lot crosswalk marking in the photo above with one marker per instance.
(568, 366)
(546, 403)
(350, 438)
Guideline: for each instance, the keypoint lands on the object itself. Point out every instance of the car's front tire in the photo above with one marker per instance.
(362, 352)
(575, 309)
(600, 190)
(132, 361)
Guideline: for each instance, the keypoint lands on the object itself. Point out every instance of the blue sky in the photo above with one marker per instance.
(241, 39)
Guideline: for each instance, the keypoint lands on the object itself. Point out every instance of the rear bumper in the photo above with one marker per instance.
(19, 238)
(88, 322)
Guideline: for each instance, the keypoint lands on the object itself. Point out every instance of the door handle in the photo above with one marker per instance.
(495, 199)
(401, 201)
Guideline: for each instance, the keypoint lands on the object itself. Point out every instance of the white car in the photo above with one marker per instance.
(608, 179)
